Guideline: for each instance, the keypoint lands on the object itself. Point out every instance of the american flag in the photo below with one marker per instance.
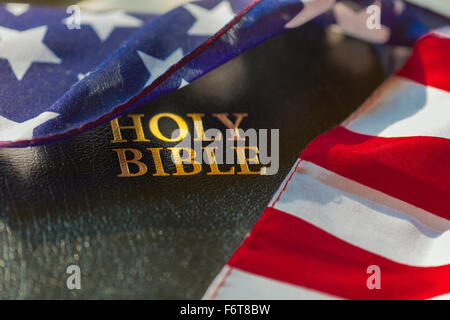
(56, 80)
(371, 193)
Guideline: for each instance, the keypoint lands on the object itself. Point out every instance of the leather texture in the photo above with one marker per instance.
(167, 237)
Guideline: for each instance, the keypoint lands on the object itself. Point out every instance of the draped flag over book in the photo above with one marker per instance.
(373, 191)
(57, 80)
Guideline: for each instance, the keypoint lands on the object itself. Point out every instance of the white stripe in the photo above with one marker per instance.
(442, 32)
(214, 287)
(285, 181)
(441, 297)
(401, 108)
(421, 216)
(240, 284)
(366, 218)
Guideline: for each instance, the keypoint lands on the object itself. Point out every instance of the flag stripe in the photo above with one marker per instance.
(413, 169)
(429, 63)
(289, 249)
(284, 184)
(402, 108)
(332, 179)
(363, 217)
(442, 297)
(243, 285)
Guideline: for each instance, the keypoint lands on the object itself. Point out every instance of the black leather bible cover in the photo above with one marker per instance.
(167, 235)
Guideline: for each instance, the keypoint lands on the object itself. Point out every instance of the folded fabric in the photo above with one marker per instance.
(61, 74)
(368, 199)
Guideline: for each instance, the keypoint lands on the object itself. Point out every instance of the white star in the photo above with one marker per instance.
(103, 23)
(312, 9)
(22, 48)
(13, 131)
(209, 21)
(183, 84)
(17, 9)
(355, 24)
(157, 67)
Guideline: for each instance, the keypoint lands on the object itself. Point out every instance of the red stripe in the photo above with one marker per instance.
(288, 249)
(413, 169)
(429, 63)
